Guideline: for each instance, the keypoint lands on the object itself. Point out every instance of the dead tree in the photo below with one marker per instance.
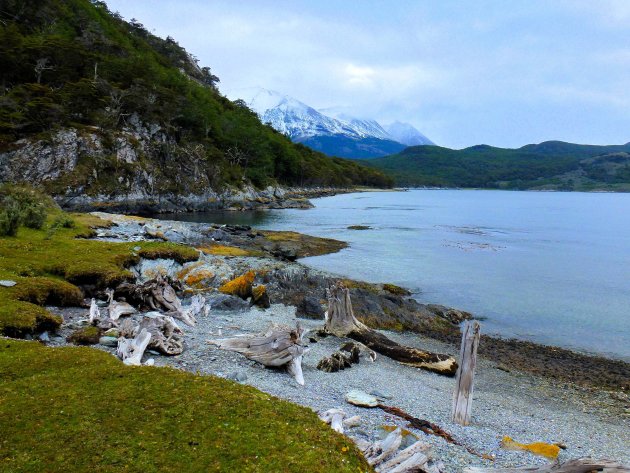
(579, 465)
(278, 346)
(340, 321)
(463, 395)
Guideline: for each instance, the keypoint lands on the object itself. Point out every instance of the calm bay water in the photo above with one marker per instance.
(548, 267)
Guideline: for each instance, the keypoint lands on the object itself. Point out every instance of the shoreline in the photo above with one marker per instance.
(551, 362)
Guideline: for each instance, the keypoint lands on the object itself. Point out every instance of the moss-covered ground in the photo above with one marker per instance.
(49, 264)
(78, 409)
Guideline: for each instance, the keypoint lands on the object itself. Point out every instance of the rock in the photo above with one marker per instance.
(44, 337)
(359, 227)
(310, 308)
(28, 336)
(7, 283)
(149, 362)
(360, 398)
(112, 332)
(238, 376)
(260, 297)
(380, 395)
(284, 253)
(240, 286)
(153, 352)
(454, 316)
(219, 235)
(137, 248)
(108, 341)
(227, 303)
(85, 336)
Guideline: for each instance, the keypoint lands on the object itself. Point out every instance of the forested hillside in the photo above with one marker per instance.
(552, 165)
(91, 103)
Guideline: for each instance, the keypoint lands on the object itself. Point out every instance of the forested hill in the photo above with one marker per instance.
(91, 103)
(552, 165)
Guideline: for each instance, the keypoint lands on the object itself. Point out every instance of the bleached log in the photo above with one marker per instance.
(95, 314)
(117, 309)
(463, 395)
(385, 457)
(277, 346)
(166, 335)
(413, 456)
(131, 350)
(334, 417)
(340, 321)
(579, 465)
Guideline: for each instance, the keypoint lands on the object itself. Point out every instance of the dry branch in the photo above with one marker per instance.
(277, 346)
(340, 321)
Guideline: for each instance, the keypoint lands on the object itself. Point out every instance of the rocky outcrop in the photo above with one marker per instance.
(137, 170)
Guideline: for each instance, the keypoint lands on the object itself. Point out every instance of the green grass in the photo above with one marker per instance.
(79, 409)
(48, 267)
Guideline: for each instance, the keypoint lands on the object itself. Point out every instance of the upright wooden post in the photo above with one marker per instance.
(462, 398)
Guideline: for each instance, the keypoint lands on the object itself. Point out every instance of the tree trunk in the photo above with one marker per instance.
(340, 321)
(463, 396)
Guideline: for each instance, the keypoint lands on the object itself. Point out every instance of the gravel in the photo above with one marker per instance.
(521, 406)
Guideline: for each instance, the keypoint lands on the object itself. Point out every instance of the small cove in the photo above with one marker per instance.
(553, 268)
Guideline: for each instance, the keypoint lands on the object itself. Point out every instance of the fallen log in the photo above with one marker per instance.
(166, 336)
(579, 465)
(385, 457)
(341, 322)
(130, 351)
(278, 346)
(344, 358)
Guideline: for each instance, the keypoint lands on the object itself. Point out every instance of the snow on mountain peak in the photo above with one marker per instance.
(300, 121)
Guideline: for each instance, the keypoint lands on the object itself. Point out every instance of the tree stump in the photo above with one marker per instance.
(341, 322)
(463, 395)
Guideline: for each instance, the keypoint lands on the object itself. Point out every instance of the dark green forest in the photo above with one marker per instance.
(549, 165)
(73, 63)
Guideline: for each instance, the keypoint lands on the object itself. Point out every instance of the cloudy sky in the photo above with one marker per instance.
(462, 72)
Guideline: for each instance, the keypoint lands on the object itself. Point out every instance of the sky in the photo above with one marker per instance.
(503, 73)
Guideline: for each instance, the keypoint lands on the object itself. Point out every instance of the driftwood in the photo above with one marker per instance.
(131, 350)
(385, 457)
(429, 428)
(340, 321)
(463, 395)
(339, 420)
(159, 294)
(166, 336)
(277, 346)
(117, 309)
(347, 355)
(579, 465)
(95, 315)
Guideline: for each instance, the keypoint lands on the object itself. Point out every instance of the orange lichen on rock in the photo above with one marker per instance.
(240, 286)
(542, 449)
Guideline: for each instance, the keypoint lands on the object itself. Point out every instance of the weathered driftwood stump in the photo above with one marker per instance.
(580, 465)
(159, 294)
(278, 346)
(340, 321)
(131, 350)
(347, 355)
(463, 395)
(117, 309)
(166, 336)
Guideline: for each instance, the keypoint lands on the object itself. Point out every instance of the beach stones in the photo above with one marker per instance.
(108, 341)
(238, 376)
(7, 283)
(361, 399)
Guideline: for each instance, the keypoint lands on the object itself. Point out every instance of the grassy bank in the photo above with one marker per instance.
(79, 409)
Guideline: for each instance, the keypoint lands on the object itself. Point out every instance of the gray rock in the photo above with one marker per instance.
(44, 337)
(227, 302)
(310, 308)
(238, 376)
(112, 332)
(360, 398)
(137, 248)
(7, 283)
(28, 336)
(108, 341)
(153, 352)
(219, 235)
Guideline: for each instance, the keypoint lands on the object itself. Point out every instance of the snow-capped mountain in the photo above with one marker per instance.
(330, 130)
(406, 134)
